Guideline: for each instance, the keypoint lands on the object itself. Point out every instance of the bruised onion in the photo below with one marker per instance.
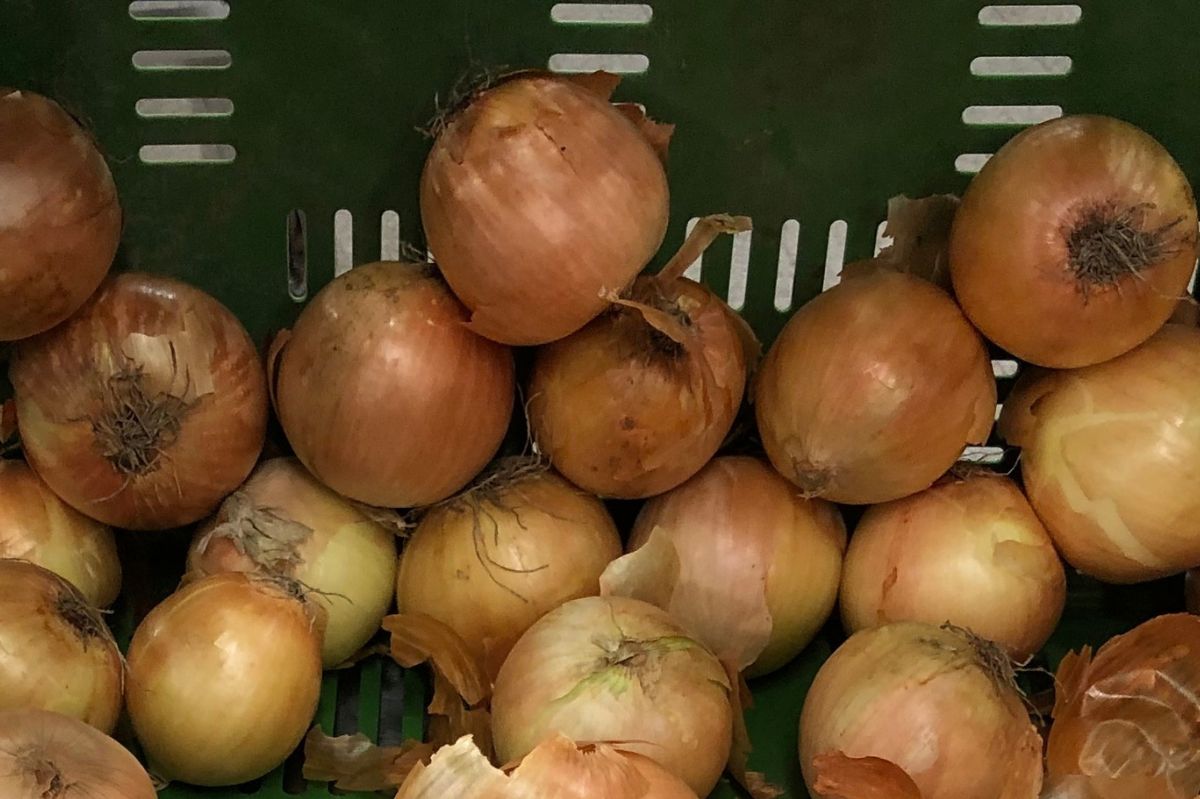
(872, 390)
(60, 219)
(537, 198)
(384, 393)
(1074, 242)
(145, 408)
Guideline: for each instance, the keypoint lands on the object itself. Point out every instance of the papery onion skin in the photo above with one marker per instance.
(616, 669)
(1110, 455)
(56, 653)
(37, 526)
(969, 551)
(873, 389)
(347, 560)
(146, 408)
(46, 755)
(537, 198)
(224, 678)
(60, 219)
(1010, 257)
(385, 395)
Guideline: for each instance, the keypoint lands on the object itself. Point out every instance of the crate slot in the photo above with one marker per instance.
(389, 236)
(696, 267)
(739, 269)
(151, 107)
(835, 254)
(1023, 16)
(618, 63)
(602, 13)
(785, 270)
(187, 154)
(1021, 65)
(970, 163)
(182, 59)
(1004, 368)
(984, 456)
(343, 242)
(1192, 281)
(297, 255)
(882, 239)
(177, 10)
(1010, 114)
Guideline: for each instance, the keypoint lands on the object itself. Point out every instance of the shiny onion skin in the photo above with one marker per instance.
(969, 551)
(56, 653)
(1074, 242)
(537, 198)
(60, 219)
(873, 389)
(1110, 455)
(37, 526)
(146, 408)
(224, 678)
(384, 393)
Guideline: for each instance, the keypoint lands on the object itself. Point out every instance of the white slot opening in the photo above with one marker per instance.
(1059, 14)
(389, 236)
(739, 269)
(184, 107)
(1020, 65)
(617, 63)
(970, 163)
(1010, 114)
(187, 153)
(1004, 369)
(984, 456)
(182, 59)
(835, 254)
(695, 267)
(882, 239)
(152, 10)
(785, 273)
(602, 13)
(343, 242)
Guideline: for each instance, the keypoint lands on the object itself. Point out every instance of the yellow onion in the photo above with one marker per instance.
(46, 755)
(56, 653)
(939, 706)
(224, 678)
(496, 558)
(1074, 242)
(37, 526)
(537, 198)
(1110, 455)
(740, 559)
(60, 219)
(384, 393)
(969, 551)
(873, 389)
(1192, 591)
(283, 522)
(144, 409)
(617, 669)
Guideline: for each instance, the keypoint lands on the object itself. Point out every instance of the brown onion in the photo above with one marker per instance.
(144, 409)
(969, 551)
(872, 390)
(385, 394)
(60, 219)
(1074, 242)
(537, 198)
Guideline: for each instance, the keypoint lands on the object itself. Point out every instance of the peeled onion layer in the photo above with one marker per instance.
(354, 763)
(841, 777)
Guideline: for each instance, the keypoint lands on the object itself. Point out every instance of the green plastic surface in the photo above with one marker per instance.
(787, 109)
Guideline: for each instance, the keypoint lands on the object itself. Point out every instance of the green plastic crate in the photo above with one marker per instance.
(804, 114)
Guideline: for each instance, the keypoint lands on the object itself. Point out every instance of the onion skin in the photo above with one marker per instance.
(873, 389)
(968, 551)
(1009, 257)
(538, 198)
(197, 366)
(422, 403)
(37, 526)
(1110, 455)
(60, 219)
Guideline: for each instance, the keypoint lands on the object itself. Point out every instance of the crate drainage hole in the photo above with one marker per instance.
(150, 107)
(1005, 16)
(153, 60)
(1010, 114)
(602, 13)
(1021, 65)
(343, 242)
(187, 153)
(785, 271)
(176, 10)
(618, 63)
(835, 254)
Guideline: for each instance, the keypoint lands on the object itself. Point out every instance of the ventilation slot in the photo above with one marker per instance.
(182, 59)
(695, 268)
(835, 254)
(151, 107)
(618, 63)
(882, 239)
(187, 154)
(297, 255)
(785, 273)
(739, 268)
(1021, 65)
(1024, 16)
(175, 10)
(389, 236)
(343, 242)
(1010, 114)
(970, 163)
(602, 13)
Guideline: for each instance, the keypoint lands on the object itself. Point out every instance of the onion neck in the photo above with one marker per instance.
(1108, 241)
(135, 427)
(46, 776)
(79, 616)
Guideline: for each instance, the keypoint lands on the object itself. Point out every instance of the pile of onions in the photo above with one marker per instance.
(923, 704)
(37, 526)
(537, 198)
(56, 653)
(741, 560)
(146, 408)
(1111, 458)
(224, 678)
(384, 393)
(1192, 591)
(496, 558)
(60, 219)
(1074, 242)
(46, 755)
(283, 522)
(873, 389)
(968, 551)
(616, 669)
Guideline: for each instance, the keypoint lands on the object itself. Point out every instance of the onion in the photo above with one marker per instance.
(969, 551)
(872, 390)
(224, 678)
(1192, 591)
(47, 755)
(384, 393)
(616, 669)
(537, 198)
(740, 559)
(283, 522)
(56, 653)
(1074, 243)
(144, 409)
(1111, 457)
(37, 526)
(937, 706)
(60, 219)
(496, 558)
